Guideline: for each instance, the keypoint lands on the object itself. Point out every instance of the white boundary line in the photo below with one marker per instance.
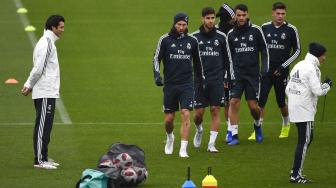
(149, 123)
(33, 40)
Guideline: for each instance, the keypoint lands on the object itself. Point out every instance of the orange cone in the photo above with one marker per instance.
(11, 81)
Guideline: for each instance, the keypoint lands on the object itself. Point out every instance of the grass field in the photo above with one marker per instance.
(107, 87)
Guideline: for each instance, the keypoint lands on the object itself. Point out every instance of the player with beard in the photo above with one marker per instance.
(178, 51)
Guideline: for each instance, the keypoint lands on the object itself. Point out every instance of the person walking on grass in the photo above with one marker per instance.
(177, 50)
(214, 54)
(247, 45)
(283, 44)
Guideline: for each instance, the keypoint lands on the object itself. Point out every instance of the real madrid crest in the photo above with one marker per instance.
(188, 46)
(251, 38)
(283, 36)
(216, 42)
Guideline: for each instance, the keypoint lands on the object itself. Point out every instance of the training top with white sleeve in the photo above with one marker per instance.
(303, 89)
(177, 55)
(214, 54)
(44, 78)
(283, 44)
(245, 42)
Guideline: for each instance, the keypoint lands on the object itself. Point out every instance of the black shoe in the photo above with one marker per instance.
(299, 179)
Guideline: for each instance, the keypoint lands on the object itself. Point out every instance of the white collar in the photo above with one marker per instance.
(313, 59)
(51, 35)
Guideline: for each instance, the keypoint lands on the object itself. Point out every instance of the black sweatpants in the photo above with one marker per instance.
(305, 137)
(45, 110)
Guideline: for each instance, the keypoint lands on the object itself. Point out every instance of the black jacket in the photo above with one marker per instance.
(177, 53)
(214, 54)
(283, 44)
(245, 43)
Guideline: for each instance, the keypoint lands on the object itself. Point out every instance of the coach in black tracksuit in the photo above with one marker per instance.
(246, 41)
(177, 50)
(214, 54)
(284, 48)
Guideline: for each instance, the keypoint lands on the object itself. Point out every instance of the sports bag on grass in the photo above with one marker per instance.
(92, 179)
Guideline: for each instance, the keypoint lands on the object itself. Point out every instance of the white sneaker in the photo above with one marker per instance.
(53, 163)
(169, 146)
(212, 148)
(183, 154)
(198, 138)
(45, 165)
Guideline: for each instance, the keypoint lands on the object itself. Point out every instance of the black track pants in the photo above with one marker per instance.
(45, 110)
(305, 137)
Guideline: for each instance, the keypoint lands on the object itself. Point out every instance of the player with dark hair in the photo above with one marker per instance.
(283, 44)
(44, 83)
(303, 90)
(246, 42)
(214, 54)
(177, 50)
(227, 20)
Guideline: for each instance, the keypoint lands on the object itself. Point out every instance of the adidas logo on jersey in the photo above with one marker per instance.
(173, 45)
(296, 75)
(201, 42)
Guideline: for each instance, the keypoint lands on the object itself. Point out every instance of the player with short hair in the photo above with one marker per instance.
(177, 50)
(44, 83)
(246, 42)
(283, 44)
(213, 51)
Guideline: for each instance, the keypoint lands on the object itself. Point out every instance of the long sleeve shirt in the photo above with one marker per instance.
(44, 78)
(178, 56)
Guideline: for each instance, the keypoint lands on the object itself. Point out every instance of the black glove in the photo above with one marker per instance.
(158, 81)
(279, 71)
(328, 81)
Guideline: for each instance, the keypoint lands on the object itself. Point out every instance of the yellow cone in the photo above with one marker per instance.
(11, 81)
(22, 11)
(30, 28)
(209, 182)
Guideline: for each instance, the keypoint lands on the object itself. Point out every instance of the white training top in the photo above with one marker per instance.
(44, 78)
(303, 89)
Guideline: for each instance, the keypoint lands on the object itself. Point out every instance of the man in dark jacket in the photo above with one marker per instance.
(246, 41)
(177, 50)
(213, 50)
(284, 48)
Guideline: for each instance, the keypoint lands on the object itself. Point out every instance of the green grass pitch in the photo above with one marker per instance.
(107, 87)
